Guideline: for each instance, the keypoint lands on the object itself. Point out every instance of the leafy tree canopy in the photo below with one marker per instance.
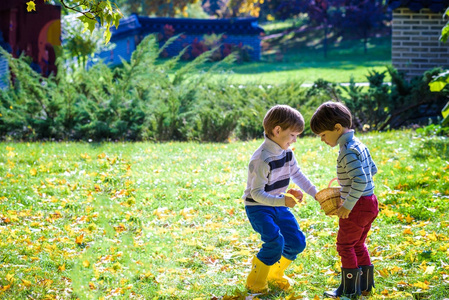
(160, 8)
(104, 12)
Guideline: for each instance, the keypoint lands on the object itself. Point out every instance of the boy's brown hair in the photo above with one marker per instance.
(328, 114)
(284, 116)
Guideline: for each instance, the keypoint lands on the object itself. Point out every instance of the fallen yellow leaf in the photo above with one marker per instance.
(387, 212)
(432, 237)
(408, 219)
(26, 282)
(421, 285)
(384, 273)
(408, 231)
(6, 287)
(395, 269)
(79, 239)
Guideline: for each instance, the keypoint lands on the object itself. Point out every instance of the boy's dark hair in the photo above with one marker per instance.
(328, 114)
(284, 116)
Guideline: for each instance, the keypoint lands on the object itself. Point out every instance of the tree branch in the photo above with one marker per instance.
(74, 8)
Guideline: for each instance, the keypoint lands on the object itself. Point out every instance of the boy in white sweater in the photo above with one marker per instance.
(270, 169)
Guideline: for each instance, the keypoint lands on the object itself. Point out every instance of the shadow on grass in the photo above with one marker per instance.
(433, 148)
(345, 56)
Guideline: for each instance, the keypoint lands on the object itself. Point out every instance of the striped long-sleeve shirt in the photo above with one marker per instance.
(269, 173)
(355, 169)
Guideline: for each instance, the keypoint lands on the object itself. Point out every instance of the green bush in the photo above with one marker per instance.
(149, 99)
(257, 99)
(136, 102)
(402, 103)
(433, 130)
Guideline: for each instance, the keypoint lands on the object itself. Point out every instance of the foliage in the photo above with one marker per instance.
(241, 8)
(92, 12)
(257, 99)
(433, 130)
(192, 10)
(159, 8)
(283, 9)
(362, 17)
(445, 31)
(138, 101)
(439, 82)
(214, 43)
(325, 13)
(165, 220)
(106, 13)
(78, 46)
(147, 99)
(442, 79)
(402, 103)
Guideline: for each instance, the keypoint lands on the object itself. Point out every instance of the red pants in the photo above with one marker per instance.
(353, 231)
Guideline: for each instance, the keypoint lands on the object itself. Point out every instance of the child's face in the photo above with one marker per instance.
(330, 137)
(284, 138)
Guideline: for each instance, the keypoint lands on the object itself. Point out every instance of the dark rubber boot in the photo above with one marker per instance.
(350, 284)
(367, 279)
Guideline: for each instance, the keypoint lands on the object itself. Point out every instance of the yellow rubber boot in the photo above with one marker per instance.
(276, 275)
(257, 279)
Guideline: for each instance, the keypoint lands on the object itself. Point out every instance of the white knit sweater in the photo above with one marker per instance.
(269, 173)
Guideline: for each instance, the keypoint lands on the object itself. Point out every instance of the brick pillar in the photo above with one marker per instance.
(415, 41)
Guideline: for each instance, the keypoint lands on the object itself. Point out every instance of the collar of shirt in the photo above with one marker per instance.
(272, 146)
(346, 137)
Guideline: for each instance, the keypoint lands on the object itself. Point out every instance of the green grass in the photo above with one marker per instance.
(306, 63)
(164, 221)
(274, 27)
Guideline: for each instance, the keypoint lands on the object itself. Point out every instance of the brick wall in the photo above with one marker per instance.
(415, 41)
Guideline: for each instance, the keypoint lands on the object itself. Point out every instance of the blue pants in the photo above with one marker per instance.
(279, 231)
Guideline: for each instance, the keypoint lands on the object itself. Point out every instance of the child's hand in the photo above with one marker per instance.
(289, 201)
(343, 212)
(290, 196)
(297, 193)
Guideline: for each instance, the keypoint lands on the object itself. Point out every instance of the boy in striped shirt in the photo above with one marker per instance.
(270, 169)
(355, 169)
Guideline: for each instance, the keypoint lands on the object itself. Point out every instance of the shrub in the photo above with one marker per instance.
(140, 101)
(257, 99)
(432, 130)
(403, 103)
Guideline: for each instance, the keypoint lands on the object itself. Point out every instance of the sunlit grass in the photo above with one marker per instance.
(165, 221)
(308, 64)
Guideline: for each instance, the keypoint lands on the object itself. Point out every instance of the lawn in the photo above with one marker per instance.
(307, 64)
(165, 220)
(302, 62)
